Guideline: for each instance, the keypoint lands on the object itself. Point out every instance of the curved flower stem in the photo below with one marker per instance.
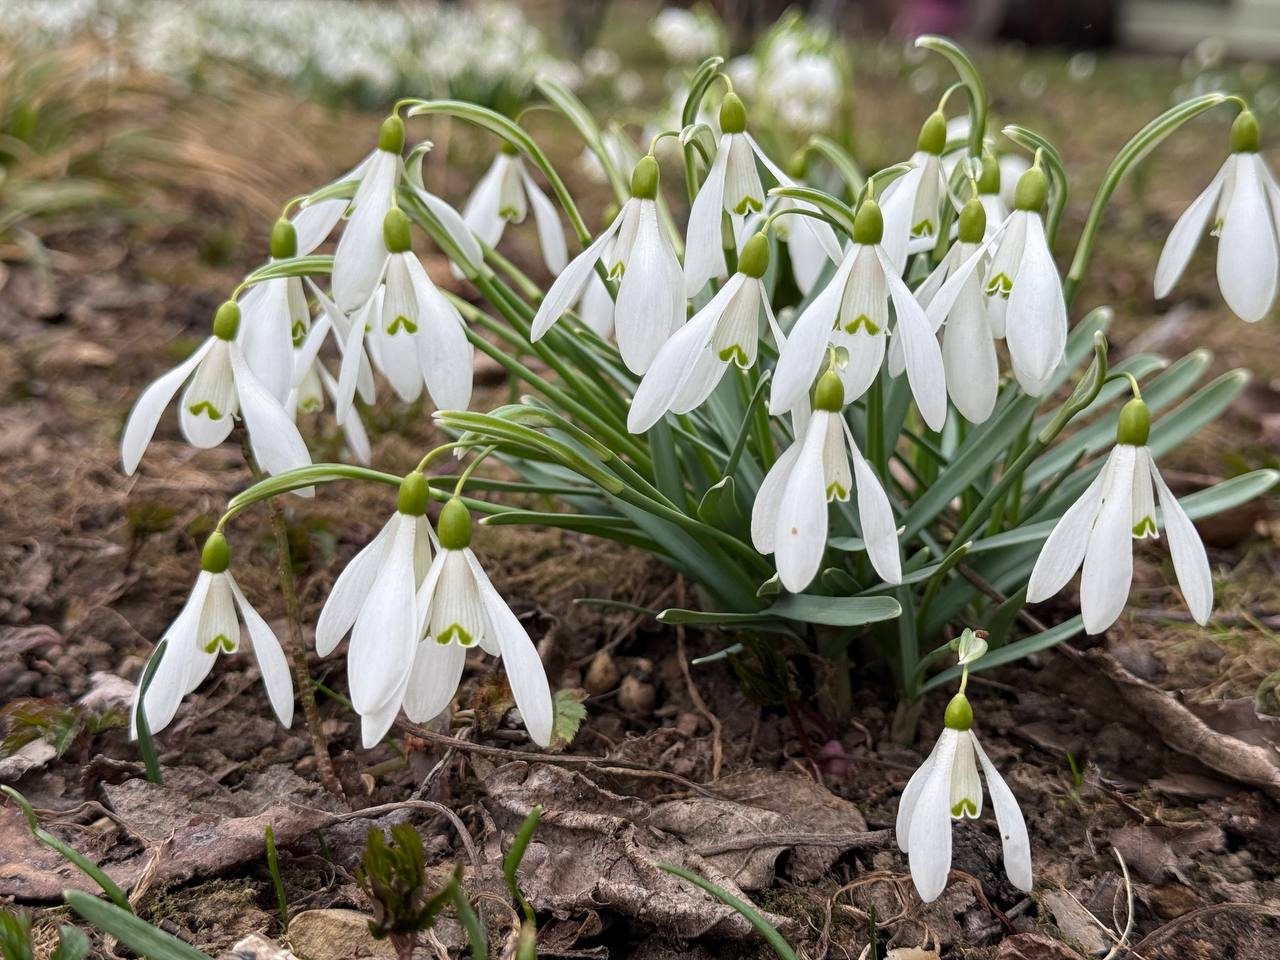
(295, 649)
(1142, 143)
(471, 468)
(972, 81)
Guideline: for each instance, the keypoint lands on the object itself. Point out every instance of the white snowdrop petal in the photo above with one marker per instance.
(966, 787)
(433, 683)
(525, 673)
(743, 193)
(399, 328)
(925, 371)
(651, 302)
(209, 404)
(801, 356)
(596, 308)
(357, 263)
(146, 413)
(671, 369)
(314, 222)
(384, 634)
(911, 797)
(168, 683)
(375, 723)
(454, 225)
(1064, 550)
(896, 206)
(273, 436)
(1014, 841)
(266, 335)
(353, 359)
(1247, 256)
(270, 658)
(764, 512)
(555, 253)
(703, 253)
(1190, 562)
(351, 589)
(1108, 559)
(801, 532)
(1184, 236)
(481, 211)
(929, 836)
(457, 610)
(445, 355)
(969, 356)
(1036, 319)
(567, 288)
(875, 516)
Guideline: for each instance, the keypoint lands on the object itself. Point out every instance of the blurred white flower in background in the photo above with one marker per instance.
(686, 36)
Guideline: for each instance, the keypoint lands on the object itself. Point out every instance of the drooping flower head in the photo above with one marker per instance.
(912, 204)
(505, 194)
(206, 627)
(1098, 531)
(1244, 201)
(359, 259)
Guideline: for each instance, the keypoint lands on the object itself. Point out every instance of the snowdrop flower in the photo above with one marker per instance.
(637, 253)
(312, 381)
(946, 788)
(726, 330)
(221, 385)
(359, 259)
(912, 203)
(1098, 530)
(968, 347)
(275, 318)
(1024, 293)
(685, 37)
(991, 194)
(373, 599)
(1245, 202)
(852, 313)
(459, 608)
(208, 626)
(504, 195)
(732, 186)
(415, 333)
(789, 517)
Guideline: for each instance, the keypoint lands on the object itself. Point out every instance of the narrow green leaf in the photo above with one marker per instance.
(763, 926)
(835, 611)
(1011, 652)
(138, 935)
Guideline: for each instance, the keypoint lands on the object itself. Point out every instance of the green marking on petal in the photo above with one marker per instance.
(999, 285)
(735, 353)
(836, 492)
(862, 321)
(508, 213)
(965, 808)
(299, 333)
(220, 643)
(748, 204)
(455, 632)
(617, 270)
(923, 229)
(1146, 527)
(401, 323)
(205, 407)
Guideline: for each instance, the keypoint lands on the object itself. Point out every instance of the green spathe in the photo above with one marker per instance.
(754, 259)
(391, 134)
(1135, 424)
(959, 715)
(454, 527)
(644, 179)
(829, 395)
(395, 231)
(284, 240)
(414, 494)
(868, 225)
(226, 322)
(216, 555)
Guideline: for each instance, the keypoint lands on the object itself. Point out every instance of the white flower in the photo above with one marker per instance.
(651, 303)
(1098, 529)
(726, 330)
(458, 608)
(374, 600)
(789, 517)
(852, 312)
(221, 385)
(359, 258)
(504, 195)
(968, 346)
(912, 204)
(275, 318)
(685, 37)
(1245, 202)
(312, 381)
(206, 627)
(947, 787)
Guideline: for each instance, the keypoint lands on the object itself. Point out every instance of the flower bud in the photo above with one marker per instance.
(754, 259)
(1033, 190)
(454, 527)
(414, 495)
(959, 715)
(973, 221)
(284, 240)
(829, 395)
(1245, 135)
(733, 114)
(933, 134)
(644, 179)
(1135, 424)
(989, 181)
(216, 555)
(395, 231)
(868, 225)
(391, 135)
(226, 322)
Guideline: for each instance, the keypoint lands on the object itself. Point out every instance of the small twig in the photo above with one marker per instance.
(877, 839)
(1163, 933)
(1123, 942)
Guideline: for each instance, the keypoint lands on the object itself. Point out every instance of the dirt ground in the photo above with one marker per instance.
(672, 763)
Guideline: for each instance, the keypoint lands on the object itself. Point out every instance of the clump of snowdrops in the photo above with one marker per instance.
(858, 413)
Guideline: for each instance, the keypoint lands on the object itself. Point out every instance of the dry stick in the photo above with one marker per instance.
(294, 648)
(1163, 933)
(867, 839)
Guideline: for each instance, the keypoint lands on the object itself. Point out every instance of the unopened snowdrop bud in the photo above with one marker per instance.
(973, 222)
(644, 179)
(1135, 424)
(959, 715)
(868, 225)
(829, 394)
(933, 134)
(1033, 190)
(395, 231)
(216, 555)
(1098, 531)
(226, 321)
(454, 528)
(733, 114)
(415, 494)
(754, 259)
(1240, 204)
(391, 134)
(284, 240)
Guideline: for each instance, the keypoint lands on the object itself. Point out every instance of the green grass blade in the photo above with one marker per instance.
(135, 933)
(752, 916)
